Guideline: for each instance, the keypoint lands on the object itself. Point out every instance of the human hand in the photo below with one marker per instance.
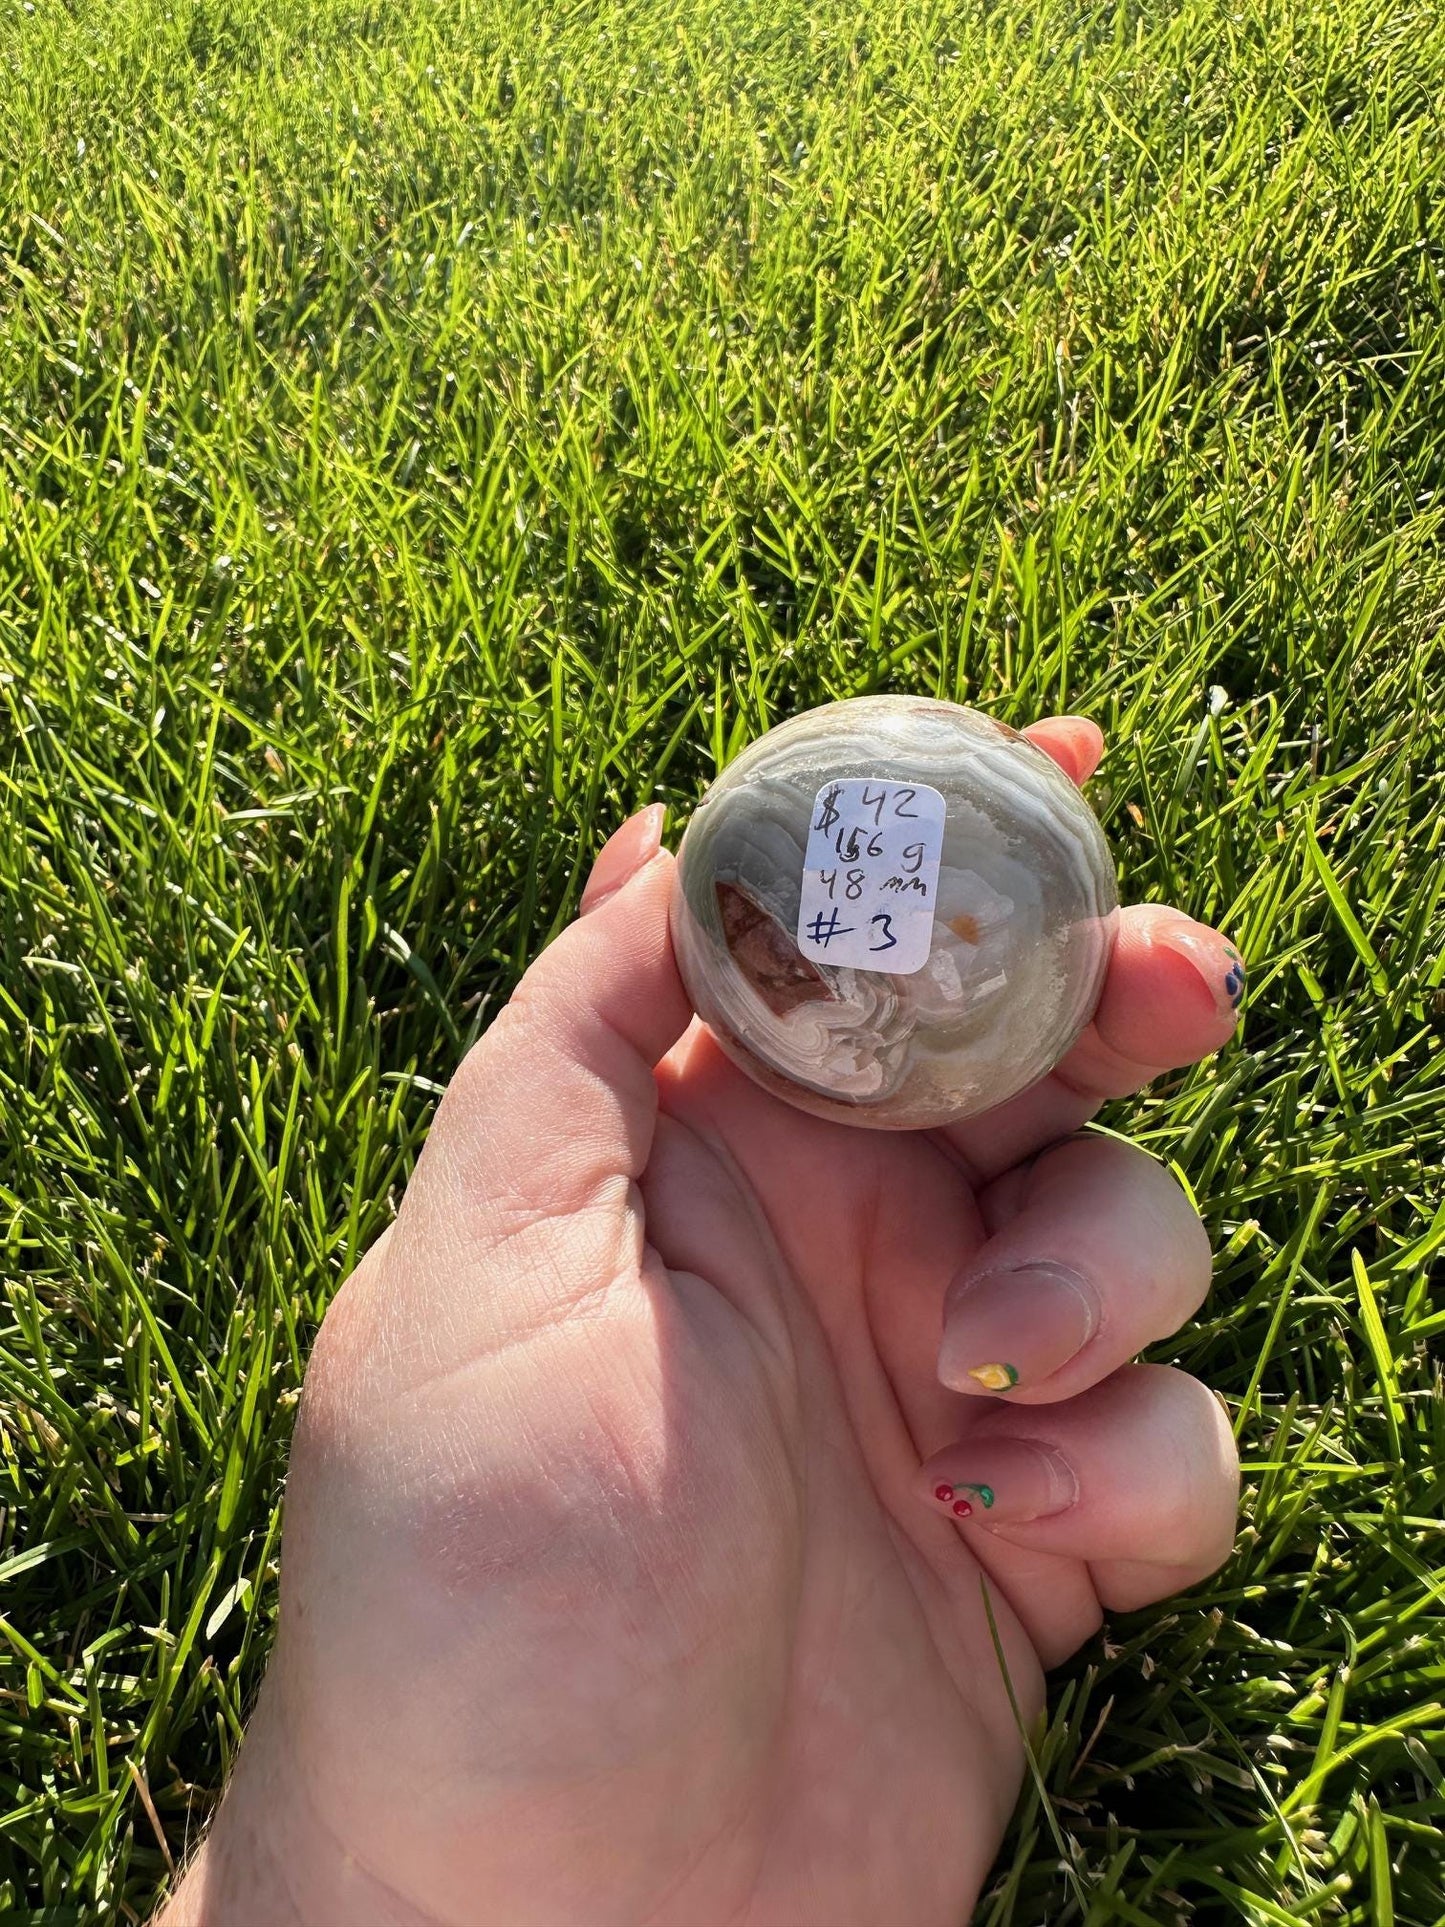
(616, 1587)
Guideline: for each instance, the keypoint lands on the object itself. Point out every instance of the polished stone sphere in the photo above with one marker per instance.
(894, 912)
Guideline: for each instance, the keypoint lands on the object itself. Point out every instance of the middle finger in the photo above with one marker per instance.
(1171, 997)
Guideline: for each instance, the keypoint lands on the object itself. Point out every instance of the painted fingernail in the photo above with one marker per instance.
(1212, 955)
(1004, 1482)
(636, 842)
(1234, 977)
(961, 1499)
(1016, 1327)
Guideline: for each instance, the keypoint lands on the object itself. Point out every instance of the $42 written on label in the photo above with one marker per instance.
(870, 874)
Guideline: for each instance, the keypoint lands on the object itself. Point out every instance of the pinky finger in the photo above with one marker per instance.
(1137, 1477)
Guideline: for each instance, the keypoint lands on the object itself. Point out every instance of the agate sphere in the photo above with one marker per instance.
(894, 912)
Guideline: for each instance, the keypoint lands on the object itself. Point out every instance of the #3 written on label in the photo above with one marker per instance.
(870, 875)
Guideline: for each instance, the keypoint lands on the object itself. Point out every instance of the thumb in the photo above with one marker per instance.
(552, 1112)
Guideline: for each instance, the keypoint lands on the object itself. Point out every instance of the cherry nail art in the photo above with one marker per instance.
(960, 1507)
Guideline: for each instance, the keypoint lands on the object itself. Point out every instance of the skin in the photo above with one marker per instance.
(615, 1584)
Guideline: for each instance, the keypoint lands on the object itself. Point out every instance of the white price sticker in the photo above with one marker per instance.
(870, 875)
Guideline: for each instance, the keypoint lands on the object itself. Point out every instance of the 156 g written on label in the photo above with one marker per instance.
(847, 840)
(873, 849)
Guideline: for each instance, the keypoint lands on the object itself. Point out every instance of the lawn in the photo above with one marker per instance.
(430, 428)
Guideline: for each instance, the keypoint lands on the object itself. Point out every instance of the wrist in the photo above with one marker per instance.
(269, 1861)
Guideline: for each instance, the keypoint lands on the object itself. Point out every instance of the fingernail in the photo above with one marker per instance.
(623, 854)
(1211, 954)
(1016, 1327)
(1235, 977)
(1002, 1482)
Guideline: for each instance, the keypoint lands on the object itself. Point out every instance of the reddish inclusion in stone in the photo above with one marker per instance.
(765, 953)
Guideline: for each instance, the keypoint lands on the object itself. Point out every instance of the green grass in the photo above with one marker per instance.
(429, 428)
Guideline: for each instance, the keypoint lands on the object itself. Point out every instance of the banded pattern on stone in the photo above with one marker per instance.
(1022, 930)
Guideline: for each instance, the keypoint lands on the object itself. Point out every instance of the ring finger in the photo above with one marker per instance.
(1094, 1253)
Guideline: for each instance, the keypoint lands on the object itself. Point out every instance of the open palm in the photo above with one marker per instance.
(646, 1561)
